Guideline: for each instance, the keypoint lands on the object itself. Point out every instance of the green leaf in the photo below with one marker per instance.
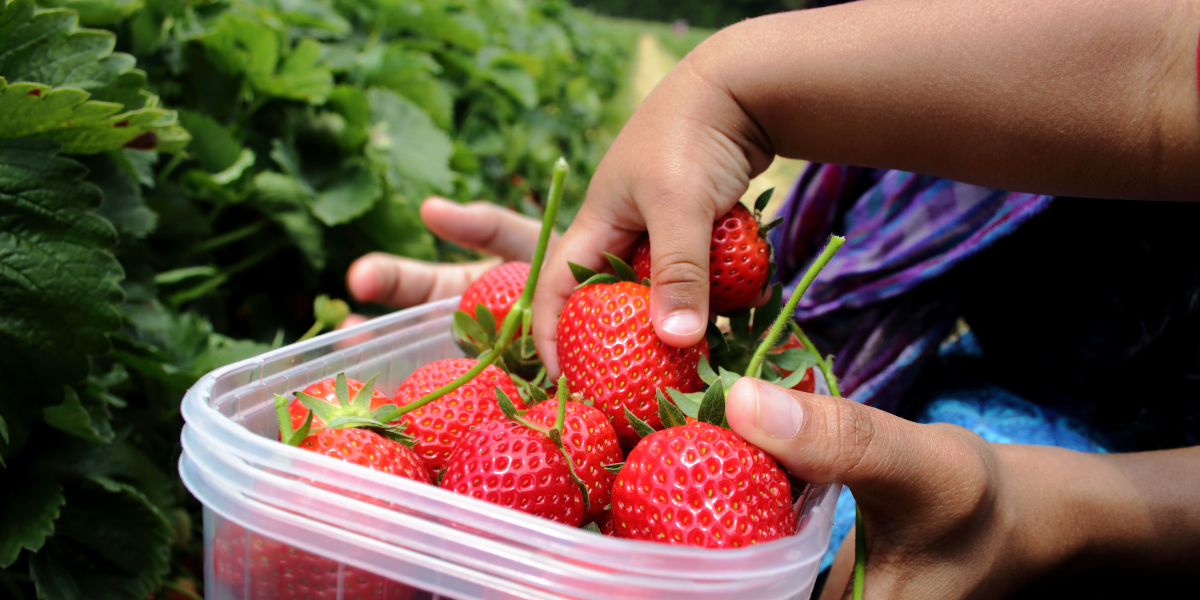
(362, 399)
(704, 370)
(794, 359)
(67, 116)
(284, 200)
(58, 283)
(108, 545)
(183, 274)
(86, 418)
(614, 467)
(580, 272)
(394, 225)
(27, 512)
(354, 192)
(639, 426)
(486, 320)
(506, 405)
(591, 526)
(538, 394)
(213, 144)
(762, 230)
(48, 48)
(728, 378)
(468, 326)
(712, 408)
(123, 204)
(791, 380)
(622, 268)
(330, 312)
(240, 45)
(324, 410)
(670, 415)
(405, 139)
(599, 278)
(688, 404)
(763, 199)
(98, 13)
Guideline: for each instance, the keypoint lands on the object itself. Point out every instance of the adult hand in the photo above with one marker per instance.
(948, 515)
(403, 282)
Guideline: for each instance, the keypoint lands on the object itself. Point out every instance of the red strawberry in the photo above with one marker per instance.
(437, 426)
(367, 449)
(809, 383)
(497, 289)
(326, 390)
(590, 441)
(507, 463)
(701, 485)
(738, 261)
(604, 522)
(608, 350)
(245, 561)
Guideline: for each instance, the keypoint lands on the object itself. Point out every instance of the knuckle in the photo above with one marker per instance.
(853, 432)
(681, 271)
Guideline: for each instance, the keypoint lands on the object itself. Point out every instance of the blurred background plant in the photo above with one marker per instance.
(181, 179)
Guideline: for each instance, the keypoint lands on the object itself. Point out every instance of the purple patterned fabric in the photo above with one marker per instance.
(902, 230)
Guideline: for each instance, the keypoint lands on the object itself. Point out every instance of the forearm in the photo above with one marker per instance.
(1071, 510)
(1069, 97)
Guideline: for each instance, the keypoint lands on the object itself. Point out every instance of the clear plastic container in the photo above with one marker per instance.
(270, 532)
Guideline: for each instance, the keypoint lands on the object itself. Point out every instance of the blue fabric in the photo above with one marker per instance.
(994, 413)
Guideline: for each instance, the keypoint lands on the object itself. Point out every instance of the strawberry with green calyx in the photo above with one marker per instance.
(514, 463)
(739, 262)
(520, 316)
(352, 432)
(365, 410)
(484, 306)
(701, 484)
(327, 390)
(590, 442)
(439, 425)
(608, 350)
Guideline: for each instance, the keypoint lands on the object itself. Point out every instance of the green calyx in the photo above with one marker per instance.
(347, 413)
(555, 433)
(327, 315)
(477, 334)
(586, 276)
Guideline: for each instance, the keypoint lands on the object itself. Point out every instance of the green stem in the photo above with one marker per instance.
(227, 238)
(212, 284)
(860, 555)
(314, 330)
(539, 255)
(785, 315)
(167, 170)
(826, 366)
(171, 585)
(563, 394)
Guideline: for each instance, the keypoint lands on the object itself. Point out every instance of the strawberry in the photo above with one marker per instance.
(507, 463)
(590, 441)
(738, 261)
(701, 485)
(496, 289)
(608, 350)
(368, 449)
(244, 561)
(326, 390)
(437, 426)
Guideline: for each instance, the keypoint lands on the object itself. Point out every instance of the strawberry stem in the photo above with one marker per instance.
(823, 363)
(785, 315)
(516, 315)
(860, 555)
(563, 393)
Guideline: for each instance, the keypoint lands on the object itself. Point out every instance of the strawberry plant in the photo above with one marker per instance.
(180, 180)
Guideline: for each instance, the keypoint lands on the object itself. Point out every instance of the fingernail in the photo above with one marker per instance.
(777, 413)
(682, 323)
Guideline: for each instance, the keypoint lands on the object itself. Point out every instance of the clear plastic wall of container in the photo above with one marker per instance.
(272, 532)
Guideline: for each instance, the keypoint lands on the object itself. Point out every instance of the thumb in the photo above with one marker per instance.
(889, 462)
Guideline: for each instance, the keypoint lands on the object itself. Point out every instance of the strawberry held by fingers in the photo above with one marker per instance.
(438, 425)
(590, 442)
(608, 350)
(739, 261)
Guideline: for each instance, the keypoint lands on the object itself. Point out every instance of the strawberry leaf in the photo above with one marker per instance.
(728, 378)
(580, 272)
(639, 426)
(386, 413)
(284, 416)
(769, 226)
(537, 395)
(704, 370)
(322, 408)
(303, 432)
(470, 327)
(763, 199)
(739, 323)
(362, 400)
(623, 270)
(794, 359)
(486, 321)
(670, 415)
(712, 408)
(506, 405)
(688, 404)
(27, 512)
(599, 278)
(614, 467)
(341, 390)
(791, 380)
(591, 526)
(646, 281)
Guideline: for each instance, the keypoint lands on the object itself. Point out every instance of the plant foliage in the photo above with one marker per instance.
(177, 187)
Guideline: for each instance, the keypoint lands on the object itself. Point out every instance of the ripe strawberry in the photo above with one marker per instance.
(809, 383)
(701, 485)
(507, 463)
(326, 390)
(590, 441)
(738, 262)
(245, 561)
(439, 425)
(608, 350)
(497, 289)
(367, 449)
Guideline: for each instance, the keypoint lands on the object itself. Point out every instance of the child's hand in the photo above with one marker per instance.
(404, 282)
(685, 157)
